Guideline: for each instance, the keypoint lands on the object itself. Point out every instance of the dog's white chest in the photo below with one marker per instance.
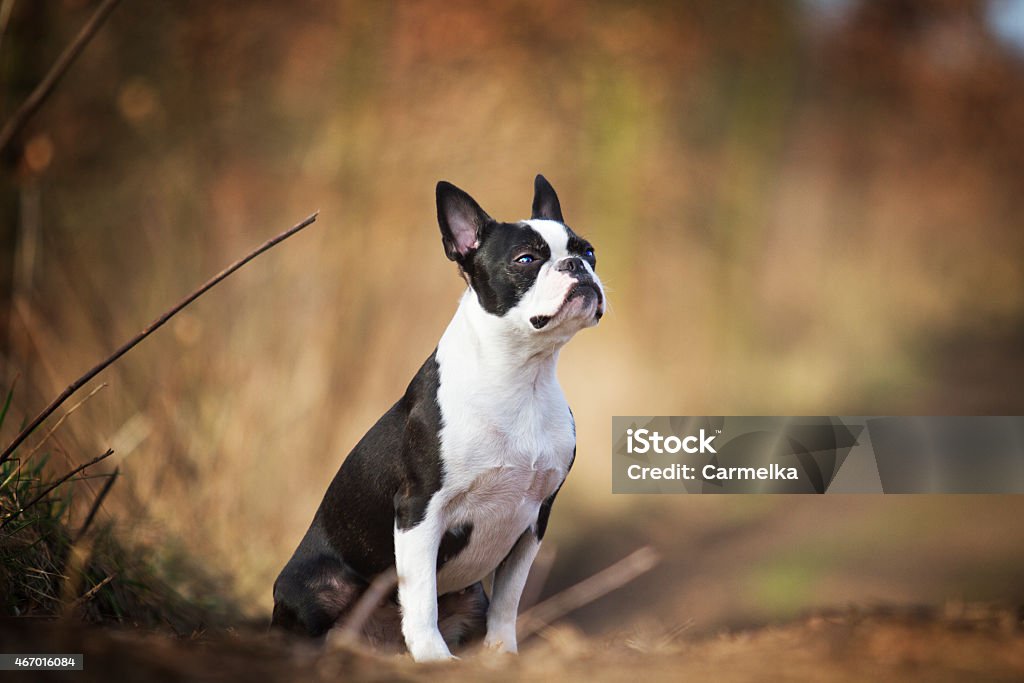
(504, 453)
(500, 504)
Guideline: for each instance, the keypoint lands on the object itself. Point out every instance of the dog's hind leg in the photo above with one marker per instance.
(311, 593)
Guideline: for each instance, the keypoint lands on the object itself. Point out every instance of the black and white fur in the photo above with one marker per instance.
(455, 482)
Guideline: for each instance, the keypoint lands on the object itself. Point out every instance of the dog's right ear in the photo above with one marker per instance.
(461, 220)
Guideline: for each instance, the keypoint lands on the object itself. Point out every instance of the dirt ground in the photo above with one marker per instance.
(959, 643)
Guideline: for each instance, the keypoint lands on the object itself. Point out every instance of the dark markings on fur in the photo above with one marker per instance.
(500, 282)
(539, 321)
(579, 246)
(453, 542)
(545, 508)
(545, 513)
(421, 446)
(388, 478)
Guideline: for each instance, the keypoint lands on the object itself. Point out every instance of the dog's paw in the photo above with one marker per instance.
(501, 640)
(430, 650)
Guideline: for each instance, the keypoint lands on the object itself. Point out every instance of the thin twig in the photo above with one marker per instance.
(151, 328)
(381, 585)
(98, 502)
(29, 107)
(588, 590)
(55, 484)
(88, 595)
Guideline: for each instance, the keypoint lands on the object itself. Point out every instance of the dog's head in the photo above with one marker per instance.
(537, 275)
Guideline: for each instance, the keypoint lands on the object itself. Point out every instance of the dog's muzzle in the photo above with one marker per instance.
(582, 288)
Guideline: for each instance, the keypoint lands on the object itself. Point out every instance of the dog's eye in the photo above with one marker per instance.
(526, 258)
(589, 253)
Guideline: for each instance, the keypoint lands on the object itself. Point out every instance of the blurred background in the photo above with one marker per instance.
(802, 207)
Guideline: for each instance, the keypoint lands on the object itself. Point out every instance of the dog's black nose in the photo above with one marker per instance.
(570, 265)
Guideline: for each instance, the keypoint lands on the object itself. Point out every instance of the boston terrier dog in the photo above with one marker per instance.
(454, 484)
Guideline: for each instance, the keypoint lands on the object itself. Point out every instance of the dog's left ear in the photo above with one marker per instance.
(461, 220)
(545, 201)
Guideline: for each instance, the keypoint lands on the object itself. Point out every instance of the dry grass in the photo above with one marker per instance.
(58, 564)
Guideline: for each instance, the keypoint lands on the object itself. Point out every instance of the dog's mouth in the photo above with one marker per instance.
(579, 290)
(586, 290)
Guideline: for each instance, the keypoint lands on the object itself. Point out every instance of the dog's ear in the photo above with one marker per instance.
(461, 220)
(545, 201)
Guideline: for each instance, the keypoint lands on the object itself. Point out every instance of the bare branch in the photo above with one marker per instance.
(150, 329)
(31, 105)
(586, 591)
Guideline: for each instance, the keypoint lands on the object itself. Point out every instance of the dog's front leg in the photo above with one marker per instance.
(509, 580)
(416, 564)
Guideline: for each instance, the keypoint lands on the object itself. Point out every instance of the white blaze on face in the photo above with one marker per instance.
(548, 293)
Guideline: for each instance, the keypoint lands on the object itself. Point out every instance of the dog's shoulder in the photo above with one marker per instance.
(393, 470)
